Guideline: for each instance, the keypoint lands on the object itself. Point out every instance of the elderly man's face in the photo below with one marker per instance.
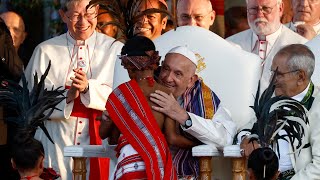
(81, 23)
(103, 18)
(16, 27)
(264, 16)
(150, 25)
(306, 10)
(286, 80)
(195, 13)
(177, 73)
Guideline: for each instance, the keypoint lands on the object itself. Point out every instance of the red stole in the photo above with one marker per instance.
(130, 111)
(99, 167)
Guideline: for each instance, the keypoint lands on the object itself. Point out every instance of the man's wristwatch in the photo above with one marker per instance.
(187, 123)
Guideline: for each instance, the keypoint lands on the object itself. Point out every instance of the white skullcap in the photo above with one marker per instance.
(184, 51)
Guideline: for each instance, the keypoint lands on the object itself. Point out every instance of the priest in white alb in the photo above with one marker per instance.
(82, 61)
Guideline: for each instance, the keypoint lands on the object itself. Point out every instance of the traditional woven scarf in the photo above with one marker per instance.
(129, 110)
(202, 101)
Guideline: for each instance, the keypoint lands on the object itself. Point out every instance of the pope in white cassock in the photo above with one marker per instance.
(83, 62)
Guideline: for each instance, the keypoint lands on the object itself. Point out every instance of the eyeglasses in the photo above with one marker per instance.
(197, 17)
(264, 9)
(283, 73)
(87, 16)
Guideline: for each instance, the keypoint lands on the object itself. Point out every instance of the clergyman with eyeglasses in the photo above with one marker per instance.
(266, 35)
(82, 61)
(306, 18)
(195, 13)
(294, 65)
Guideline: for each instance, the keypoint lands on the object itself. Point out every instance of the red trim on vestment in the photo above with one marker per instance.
(99, 167)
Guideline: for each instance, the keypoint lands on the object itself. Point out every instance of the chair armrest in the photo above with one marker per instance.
(85, 151)
(205, 150)
(232, 151)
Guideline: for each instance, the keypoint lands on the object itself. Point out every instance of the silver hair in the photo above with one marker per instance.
(66, 5)
(278, 2)
(300, 57)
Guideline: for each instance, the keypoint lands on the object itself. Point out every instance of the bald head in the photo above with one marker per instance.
(16, 27)
(195, 13)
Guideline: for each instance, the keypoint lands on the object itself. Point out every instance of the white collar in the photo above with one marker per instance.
(301, 95)
(91, 41)
(271, 38)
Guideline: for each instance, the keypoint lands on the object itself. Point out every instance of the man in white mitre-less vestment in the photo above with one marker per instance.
(266, 35)
(82, 61)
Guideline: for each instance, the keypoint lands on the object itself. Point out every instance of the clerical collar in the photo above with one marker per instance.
(299, 97)
(90, 41)
(271, 39)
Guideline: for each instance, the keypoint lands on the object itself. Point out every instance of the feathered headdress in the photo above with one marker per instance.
(125, 12)
(279, 113)
(32, 108)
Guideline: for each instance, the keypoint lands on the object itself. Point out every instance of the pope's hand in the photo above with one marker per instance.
(169, 106)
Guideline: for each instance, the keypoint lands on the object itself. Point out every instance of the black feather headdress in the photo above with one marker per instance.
(279, 113)
(32, 108)
(125, 12)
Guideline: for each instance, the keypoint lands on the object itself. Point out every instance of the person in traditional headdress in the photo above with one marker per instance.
(138, 17)
(82, 62)
(108, 21)
(142, 149)
(27, 153)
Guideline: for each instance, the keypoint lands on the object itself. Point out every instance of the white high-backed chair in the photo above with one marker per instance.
(230, 72)
(314, 47)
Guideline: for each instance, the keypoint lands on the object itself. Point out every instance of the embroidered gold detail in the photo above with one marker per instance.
(201, 64)
(207, 101)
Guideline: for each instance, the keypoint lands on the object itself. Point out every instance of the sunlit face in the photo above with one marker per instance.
(263, 23)
(195, 13)
(306, 10)
(16, 27)
(177, 73)
(84, 26)
(286, 80)
(150, 25)
(103, 18)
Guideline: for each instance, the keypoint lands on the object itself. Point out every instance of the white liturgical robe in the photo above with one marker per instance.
(96, 56)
